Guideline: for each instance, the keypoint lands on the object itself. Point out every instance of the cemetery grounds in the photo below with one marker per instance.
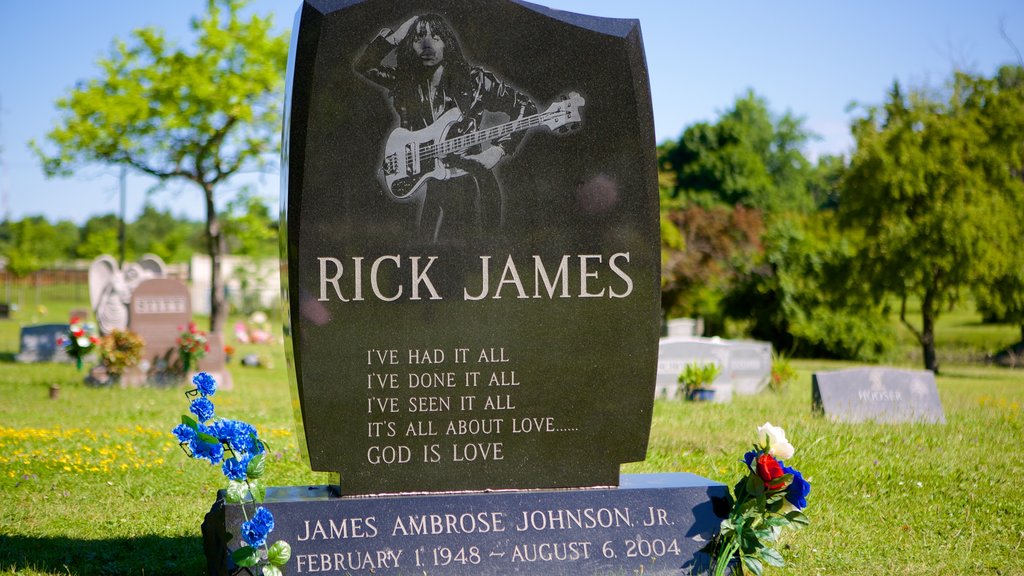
(93, 482)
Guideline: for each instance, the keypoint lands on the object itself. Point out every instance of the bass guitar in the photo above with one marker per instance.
(412, 157)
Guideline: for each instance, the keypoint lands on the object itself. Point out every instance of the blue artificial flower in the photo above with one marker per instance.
(749, 458)
(265, 518)
(202, 408)
(797, 491)
(255, 531)
(205, 383)
(240, 436)
(214, 453)
(235, 468)
(184, 433)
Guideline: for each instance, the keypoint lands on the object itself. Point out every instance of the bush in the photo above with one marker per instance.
(119, 350)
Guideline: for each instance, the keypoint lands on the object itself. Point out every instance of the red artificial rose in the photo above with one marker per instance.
(75, 320)
(768, 468)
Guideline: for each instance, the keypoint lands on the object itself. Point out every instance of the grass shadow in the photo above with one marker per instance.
(143, 555)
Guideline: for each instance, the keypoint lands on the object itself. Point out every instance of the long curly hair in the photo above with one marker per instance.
(410, 71)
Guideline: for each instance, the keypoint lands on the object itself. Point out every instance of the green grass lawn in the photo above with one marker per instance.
(94, 483)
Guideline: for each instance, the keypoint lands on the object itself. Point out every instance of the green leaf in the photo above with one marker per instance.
(279, 553)
(798, 519)
(776, 521)
(246, 557)
(207, 438)
(257, 466)
(191, 423)
(753, 565)
(258, 490)
(755, 486)
(772, 557)
(237, 492)
(272, 570)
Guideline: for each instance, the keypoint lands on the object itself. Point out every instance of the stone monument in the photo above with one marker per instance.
(878, 394)
(471, 258)
(111, 287)
(38, 343)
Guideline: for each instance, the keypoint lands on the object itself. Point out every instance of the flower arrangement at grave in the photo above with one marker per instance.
(192, 346)
(120, 350)
(242, 455)
(770, 497)
(79, 340)
(695, 378)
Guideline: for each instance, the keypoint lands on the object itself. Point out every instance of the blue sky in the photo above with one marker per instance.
(810, 57)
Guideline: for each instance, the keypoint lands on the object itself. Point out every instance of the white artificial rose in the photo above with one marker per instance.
(778, 446)
(83, 342)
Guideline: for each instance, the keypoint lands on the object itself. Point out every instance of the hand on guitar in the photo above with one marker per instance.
(462, 164)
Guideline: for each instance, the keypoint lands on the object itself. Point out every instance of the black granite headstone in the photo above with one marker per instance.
(878, 394)
(454, 326)
(38, 343)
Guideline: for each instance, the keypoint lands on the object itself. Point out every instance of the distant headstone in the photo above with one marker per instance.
(750, 365)
(110, 288)
(877, 394)
(472, 293)
(745, 365)
(39, 343)
(685, 327)
(675, 353)
(160, 309)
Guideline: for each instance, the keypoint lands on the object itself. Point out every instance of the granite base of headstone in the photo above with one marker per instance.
(38, 343)
(887, 395)
(652, 524)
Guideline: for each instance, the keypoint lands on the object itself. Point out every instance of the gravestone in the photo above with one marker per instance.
(472, 289)
(675, 353)
(750, 365)
(746, 365)
(160, 309)
(684, 327)
(882, 394)
(39, 343)
(111, 287)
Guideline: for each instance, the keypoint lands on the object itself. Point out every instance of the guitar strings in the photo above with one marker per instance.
(446, 147)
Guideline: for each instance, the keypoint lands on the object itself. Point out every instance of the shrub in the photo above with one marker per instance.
(119, 350)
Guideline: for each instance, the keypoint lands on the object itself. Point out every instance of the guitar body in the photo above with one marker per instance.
(407, 164)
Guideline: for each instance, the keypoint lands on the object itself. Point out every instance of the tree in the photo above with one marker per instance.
(201, 115)
(701, 251)
(35, 244)
(160, 232)
(250, 228)
(999, 104)
(750, 157)
(99, 236)
(800, 295)
(930, 187)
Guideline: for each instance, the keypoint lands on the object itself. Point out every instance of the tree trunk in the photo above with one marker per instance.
(927, 336)
(217, 246)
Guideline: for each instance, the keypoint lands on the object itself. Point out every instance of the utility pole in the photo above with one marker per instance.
(121, 225)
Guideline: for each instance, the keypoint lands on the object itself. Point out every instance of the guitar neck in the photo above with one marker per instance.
(466, 141)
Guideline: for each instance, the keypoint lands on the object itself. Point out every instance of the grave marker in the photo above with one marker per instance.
(880, 394)
(473, 306)
(39, 343)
